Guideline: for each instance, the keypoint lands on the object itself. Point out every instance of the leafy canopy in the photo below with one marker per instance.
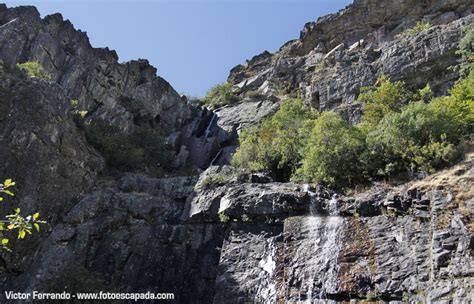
(401, 132)
(278, 145)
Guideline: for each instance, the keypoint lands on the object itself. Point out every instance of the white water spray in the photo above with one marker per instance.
(266, 291)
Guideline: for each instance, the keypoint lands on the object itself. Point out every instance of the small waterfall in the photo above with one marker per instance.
(266, 290)
(317, 249)
(333, 208)
(216, 157)
(208, 131)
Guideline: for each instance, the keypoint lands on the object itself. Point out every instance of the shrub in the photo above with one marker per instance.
(223, 218)
(277, 145)
(458, 108)
(381, 99)
(419, 27)
(142, 150)
(466, 52)
(34, 69)
(252, 94)
(333, 154)
(423, 136)
(220, 95)
(412, 140)
(396, 136)
(214, 181)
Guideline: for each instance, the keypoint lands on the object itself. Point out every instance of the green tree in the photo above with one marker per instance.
(401, 132)
(458, 109)
(382, 98)
(278, 144)
(412, 140)
(334, 153)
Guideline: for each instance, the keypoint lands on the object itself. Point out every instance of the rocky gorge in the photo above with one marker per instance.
(204, 230)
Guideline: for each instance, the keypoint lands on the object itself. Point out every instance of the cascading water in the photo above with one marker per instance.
(317, 249)
(266, 290)
(208, 131)
(213, 161)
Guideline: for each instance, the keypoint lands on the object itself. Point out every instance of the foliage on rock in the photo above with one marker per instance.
(15, 222)
(34, 69)
(334, 152)
(220, 95)
(401, 132)
(419, 27)
(278, 144)
(214, 181)
(466, 52)
(141, 150)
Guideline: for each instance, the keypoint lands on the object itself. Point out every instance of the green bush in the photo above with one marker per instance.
(407, 141)
(423, 136)
(252, 94)
(466, 52)
(278, 144)
(34, 69)
(382, 98)
(142, 150)
(419, 27)
(214, 181)
(401, 132)
(333, 153)
(220, 95)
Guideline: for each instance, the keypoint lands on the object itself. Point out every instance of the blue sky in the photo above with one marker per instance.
(192, 43)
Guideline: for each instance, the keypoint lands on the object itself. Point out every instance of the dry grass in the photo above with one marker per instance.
(457, 180)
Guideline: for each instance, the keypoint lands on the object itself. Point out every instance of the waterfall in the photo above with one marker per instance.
(332, 206)
(216, 157)
(322, 240)
(316, 250)
(266, 290)
(207, 133)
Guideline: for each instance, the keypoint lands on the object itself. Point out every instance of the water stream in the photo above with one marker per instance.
(318, 249)
(208, 131)
(266, 290)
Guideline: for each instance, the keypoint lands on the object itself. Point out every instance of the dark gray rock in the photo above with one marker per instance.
(42, 149)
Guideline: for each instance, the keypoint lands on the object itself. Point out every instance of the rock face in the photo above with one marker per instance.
(120, 93)
(228, 236)
(130, 233)
(127, 95)
(295, 243)
(41, 147)
(340, 53)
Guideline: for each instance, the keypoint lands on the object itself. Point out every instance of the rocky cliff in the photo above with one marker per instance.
(227, 236)
(340, 53)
